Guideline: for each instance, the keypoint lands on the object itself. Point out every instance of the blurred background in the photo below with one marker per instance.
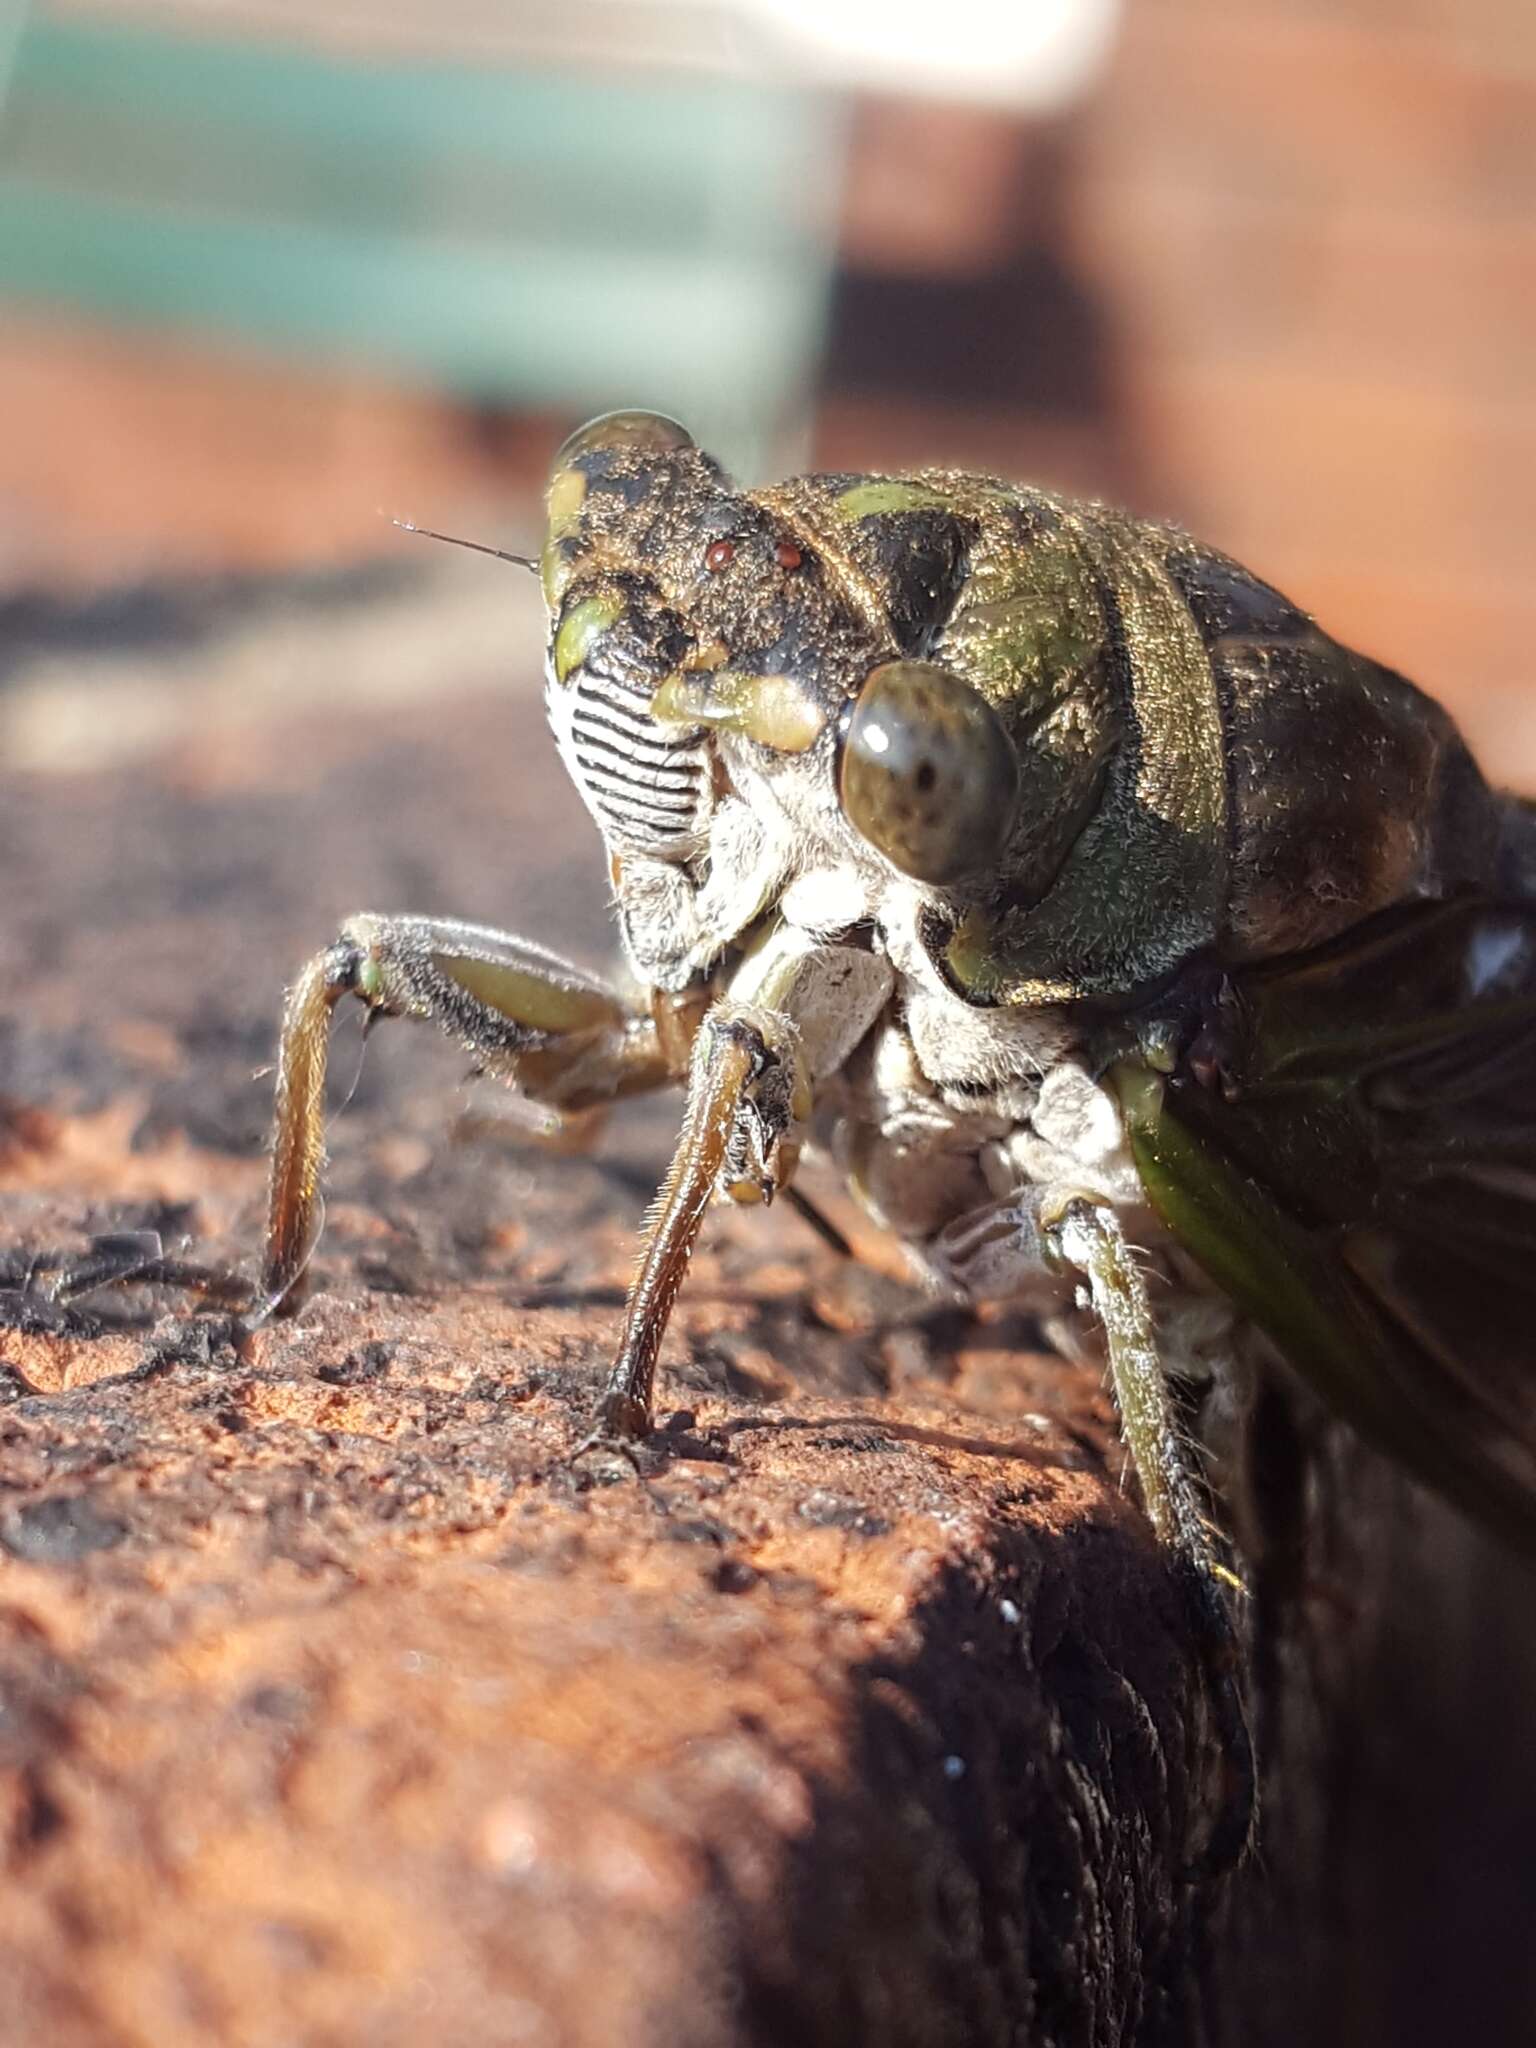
(274, 270)
(271, 268)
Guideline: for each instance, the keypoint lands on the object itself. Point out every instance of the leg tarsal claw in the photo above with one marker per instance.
(622, 1420)
(601, 1443)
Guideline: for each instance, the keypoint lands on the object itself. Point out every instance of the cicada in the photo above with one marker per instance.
(1137, 952)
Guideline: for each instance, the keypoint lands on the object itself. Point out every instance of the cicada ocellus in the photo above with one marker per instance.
(1137, 952)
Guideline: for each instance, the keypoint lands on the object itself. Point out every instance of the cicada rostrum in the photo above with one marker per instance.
(1138, 953)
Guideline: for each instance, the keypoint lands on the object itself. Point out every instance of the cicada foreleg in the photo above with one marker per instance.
(1087, 1237)
(746, 1090)
(563, 1037)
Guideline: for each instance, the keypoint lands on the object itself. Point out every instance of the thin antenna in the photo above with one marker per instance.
(370, 1018)
(479, 546)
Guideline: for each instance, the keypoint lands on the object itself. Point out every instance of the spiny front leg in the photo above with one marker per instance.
(746, 1087)
(1087, 1237)
(298, 1126)
(561, 1035)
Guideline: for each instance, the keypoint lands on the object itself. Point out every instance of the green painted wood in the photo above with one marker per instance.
(515, 235)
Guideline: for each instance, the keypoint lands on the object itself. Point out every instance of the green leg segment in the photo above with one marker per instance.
(1088, 1238)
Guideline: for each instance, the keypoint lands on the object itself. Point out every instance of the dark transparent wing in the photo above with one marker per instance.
(1359, 1174)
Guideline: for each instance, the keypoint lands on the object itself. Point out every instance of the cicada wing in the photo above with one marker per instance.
(1364, 1185)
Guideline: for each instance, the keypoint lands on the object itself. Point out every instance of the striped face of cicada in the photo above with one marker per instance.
(614, 638)
(698, 633)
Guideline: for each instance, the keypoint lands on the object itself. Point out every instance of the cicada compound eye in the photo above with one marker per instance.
(651, 433)
(926, 772)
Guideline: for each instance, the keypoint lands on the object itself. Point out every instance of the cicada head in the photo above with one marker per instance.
(615, 632)
(695, 631)
(657, 571)
(704, 639)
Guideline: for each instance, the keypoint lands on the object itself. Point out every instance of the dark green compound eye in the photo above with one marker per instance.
(926, 772)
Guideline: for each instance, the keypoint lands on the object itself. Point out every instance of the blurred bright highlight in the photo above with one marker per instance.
(1034, 56)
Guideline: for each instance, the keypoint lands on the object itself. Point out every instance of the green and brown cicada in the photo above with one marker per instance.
(1072, 892)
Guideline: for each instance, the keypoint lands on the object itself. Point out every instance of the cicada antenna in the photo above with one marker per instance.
(479, 546)
(370, 1018)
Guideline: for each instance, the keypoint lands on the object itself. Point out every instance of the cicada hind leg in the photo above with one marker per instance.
(1086, 1237)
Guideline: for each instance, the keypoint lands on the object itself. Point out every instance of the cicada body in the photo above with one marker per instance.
(1065, 887)
(1053, 776)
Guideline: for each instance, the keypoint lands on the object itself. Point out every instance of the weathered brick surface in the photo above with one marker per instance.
(1310, 228)
(338, 1707)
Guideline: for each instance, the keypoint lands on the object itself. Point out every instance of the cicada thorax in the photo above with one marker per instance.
(1125, 872)
(1200, 769)
(1348, 791)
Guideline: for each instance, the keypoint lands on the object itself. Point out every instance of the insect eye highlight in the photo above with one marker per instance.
(926, 772)
(719, 555)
